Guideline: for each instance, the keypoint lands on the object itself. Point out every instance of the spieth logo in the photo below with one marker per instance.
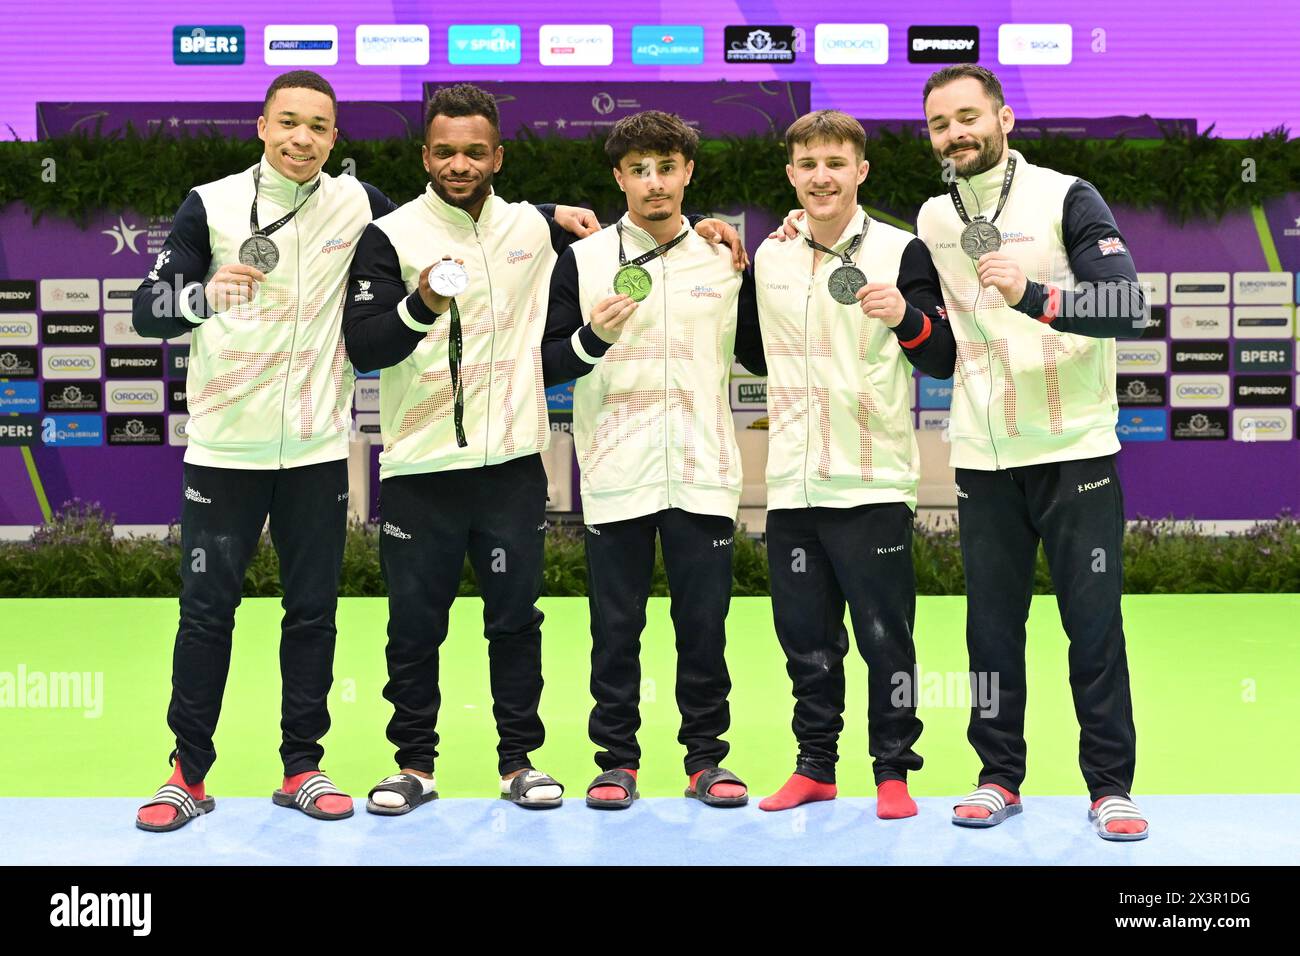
(363, 291)
(124, 236)
(335, 245)
(705, 292)
(518, 255)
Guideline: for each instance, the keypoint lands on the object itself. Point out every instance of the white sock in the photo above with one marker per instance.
(536, 793)
(387, 798)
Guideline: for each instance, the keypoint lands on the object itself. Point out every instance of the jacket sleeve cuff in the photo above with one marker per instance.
(194, 304)
(415, 315)
(588, 345)
(914, 329)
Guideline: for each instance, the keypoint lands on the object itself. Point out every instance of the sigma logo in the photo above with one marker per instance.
(363, 293)
(705, 292)
(69, 295)
(396, 532)
(335, 245)
(518, 255)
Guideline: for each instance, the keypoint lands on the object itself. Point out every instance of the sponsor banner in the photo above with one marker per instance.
(119, 330)
(18, 362)
(17, 295)
(1262, 288)
(1200, 356)
(1156, 285)
(1141, 357)
(559, 398)
(74, 396)
(133, 362)
(119, 293)
(1148, 424)
(934, 393)
(1199, 322)
(368, 423)
(484, 43)
(19, 429)
(73, 431)
(943, 44)
(1263, 321)
(176, 398)
(1263, 356)
(771, 45)
(1199, 391)
(1262, 424)
(1040, 44)
(176, 430)
(69, 295)
(392, 44)
(575, 44)
(135, 429)
(178, 361)
(84, 362)
(367, 396)
(1156, 325)
(17, 330)
(858, 44)
(1268, 391)
(19, 397)
(134, 396)
(1199, 288)
(69, 329)
(299, 45)
(1133, 390)
(749, 395)
(207, 45)
(934, 421)
(678, 45)
(1203, 425)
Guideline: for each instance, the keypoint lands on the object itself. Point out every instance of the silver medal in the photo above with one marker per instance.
(260, 253)
(979, 237)
(844, 284)
(449, 278)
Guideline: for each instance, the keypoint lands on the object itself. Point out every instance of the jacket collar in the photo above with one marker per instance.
(986, 187)
(454, 215)
(635, 236)
(847, 236)
(280, 189)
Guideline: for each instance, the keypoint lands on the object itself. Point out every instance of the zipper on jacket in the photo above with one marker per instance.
(988, 349)
(293, 342)
(492, 346)
(807, 384)
(668, 415)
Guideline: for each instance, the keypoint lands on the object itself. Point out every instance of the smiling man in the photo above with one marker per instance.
(647, 315)
(1038, 282)
(847, 309)
(255, 268)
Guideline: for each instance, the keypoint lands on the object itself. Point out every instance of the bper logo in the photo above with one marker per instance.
(193, 45)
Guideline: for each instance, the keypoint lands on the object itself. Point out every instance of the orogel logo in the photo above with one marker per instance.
(76, 909)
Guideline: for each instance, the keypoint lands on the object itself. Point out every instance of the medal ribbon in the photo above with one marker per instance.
(454, 347)
(654, 253)
(252, 216)
(847, 255)
(1002, 199)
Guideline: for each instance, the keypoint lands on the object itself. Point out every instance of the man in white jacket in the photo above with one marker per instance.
(847, 309)
(1038, 281)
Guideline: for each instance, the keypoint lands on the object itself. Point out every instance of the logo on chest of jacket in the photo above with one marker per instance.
(1008, 237)
(776, 286)
(518, 255)
(705, 292)
(335, 245)
(363, 291)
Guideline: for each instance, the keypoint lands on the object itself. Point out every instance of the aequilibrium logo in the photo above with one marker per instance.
(668, 45)
(202, 45)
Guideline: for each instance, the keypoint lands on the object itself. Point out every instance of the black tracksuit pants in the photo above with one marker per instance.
(819, 559)
(496, 515)
(620, 564)
(221, 522)
(1077, 509)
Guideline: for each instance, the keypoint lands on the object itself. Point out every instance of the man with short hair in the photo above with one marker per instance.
(448, 299)
(1038, 282)
(647, 316)
(255, 268)
(847, 309)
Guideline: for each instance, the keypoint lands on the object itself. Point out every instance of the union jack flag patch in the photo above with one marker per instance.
(1111, 246)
